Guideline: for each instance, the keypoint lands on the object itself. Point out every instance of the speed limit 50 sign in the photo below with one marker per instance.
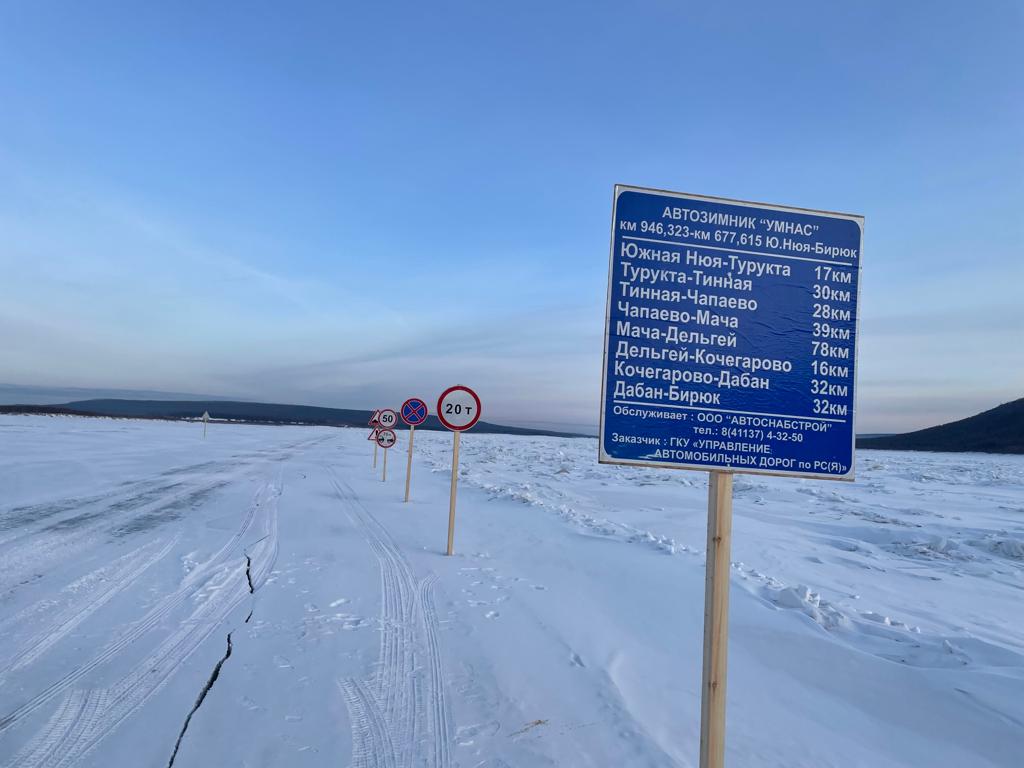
(387, 418)
(458, 408)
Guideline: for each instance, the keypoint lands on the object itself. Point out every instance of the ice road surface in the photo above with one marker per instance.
(262, 598)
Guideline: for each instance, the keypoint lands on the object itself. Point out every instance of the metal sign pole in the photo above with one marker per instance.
(408, 462)
(451, 501)
(384, 476)
(716, 621)
(374, 454)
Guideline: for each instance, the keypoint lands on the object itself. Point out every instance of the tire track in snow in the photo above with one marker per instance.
(399, 718)
(22, 554)
(30, 552)
(77, 728)
(394, 678)
(438, 704)
(372, 746)
(232, 589)
(30, 520)
(21, 520)
(102, 585)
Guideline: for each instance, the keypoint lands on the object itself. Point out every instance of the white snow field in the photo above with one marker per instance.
(262, 598)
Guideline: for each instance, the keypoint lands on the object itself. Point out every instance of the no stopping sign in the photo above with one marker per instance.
(414, 411)
(458, 408)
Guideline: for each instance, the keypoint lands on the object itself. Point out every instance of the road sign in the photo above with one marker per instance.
(375, 418)
(373, 434)
(458, 408)
(730, 336)
(385, 438)
(414, 411)
(387, 418)
(730, 346)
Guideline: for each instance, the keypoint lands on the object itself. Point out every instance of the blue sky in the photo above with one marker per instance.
(344, 204)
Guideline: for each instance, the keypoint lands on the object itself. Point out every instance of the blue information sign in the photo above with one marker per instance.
(731, 336)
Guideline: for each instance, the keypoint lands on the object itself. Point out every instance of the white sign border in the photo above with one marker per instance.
(604, 458)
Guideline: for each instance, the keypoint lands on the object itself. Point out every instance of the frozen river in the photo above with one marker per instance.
(262, 598)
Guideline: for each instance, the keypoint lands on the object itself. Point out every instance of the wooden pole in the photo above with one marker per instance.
(384, 476)
(716, 621)
(374, 454)
(451, 500)
(408, 461)
(204, 429)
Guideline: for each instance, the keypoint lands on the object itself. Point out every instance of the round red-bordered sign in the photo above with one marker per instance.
(454, 410)
(386, 438)
(387, 418)
(414, 411)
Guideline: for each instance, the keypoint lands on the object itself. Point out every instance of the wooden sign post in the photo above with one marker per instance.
(385, 439)
(716, 620)
(413, 412)
(451, 498)
(458, 409)
(374, 424)
(408, 461)
(373, 438)
(206, 420)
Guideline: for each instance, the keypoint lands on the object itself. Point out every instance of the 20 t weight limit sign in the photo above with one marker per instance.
(458, 409)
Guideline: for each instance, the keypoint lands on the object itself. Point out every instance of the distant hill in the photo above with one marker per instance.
(250, 413)
(1000, 430)
(27, 394)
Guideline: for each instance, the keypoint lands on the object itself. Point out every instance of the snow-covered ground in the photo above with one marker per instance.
(262, 598)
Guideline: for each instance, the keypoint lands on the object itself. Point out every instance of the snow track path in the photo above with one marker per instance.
(30, 552)
(400, 718)
(372, 746)
(86, 717)
(35, 536)
(438, 708)
(81, 599)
